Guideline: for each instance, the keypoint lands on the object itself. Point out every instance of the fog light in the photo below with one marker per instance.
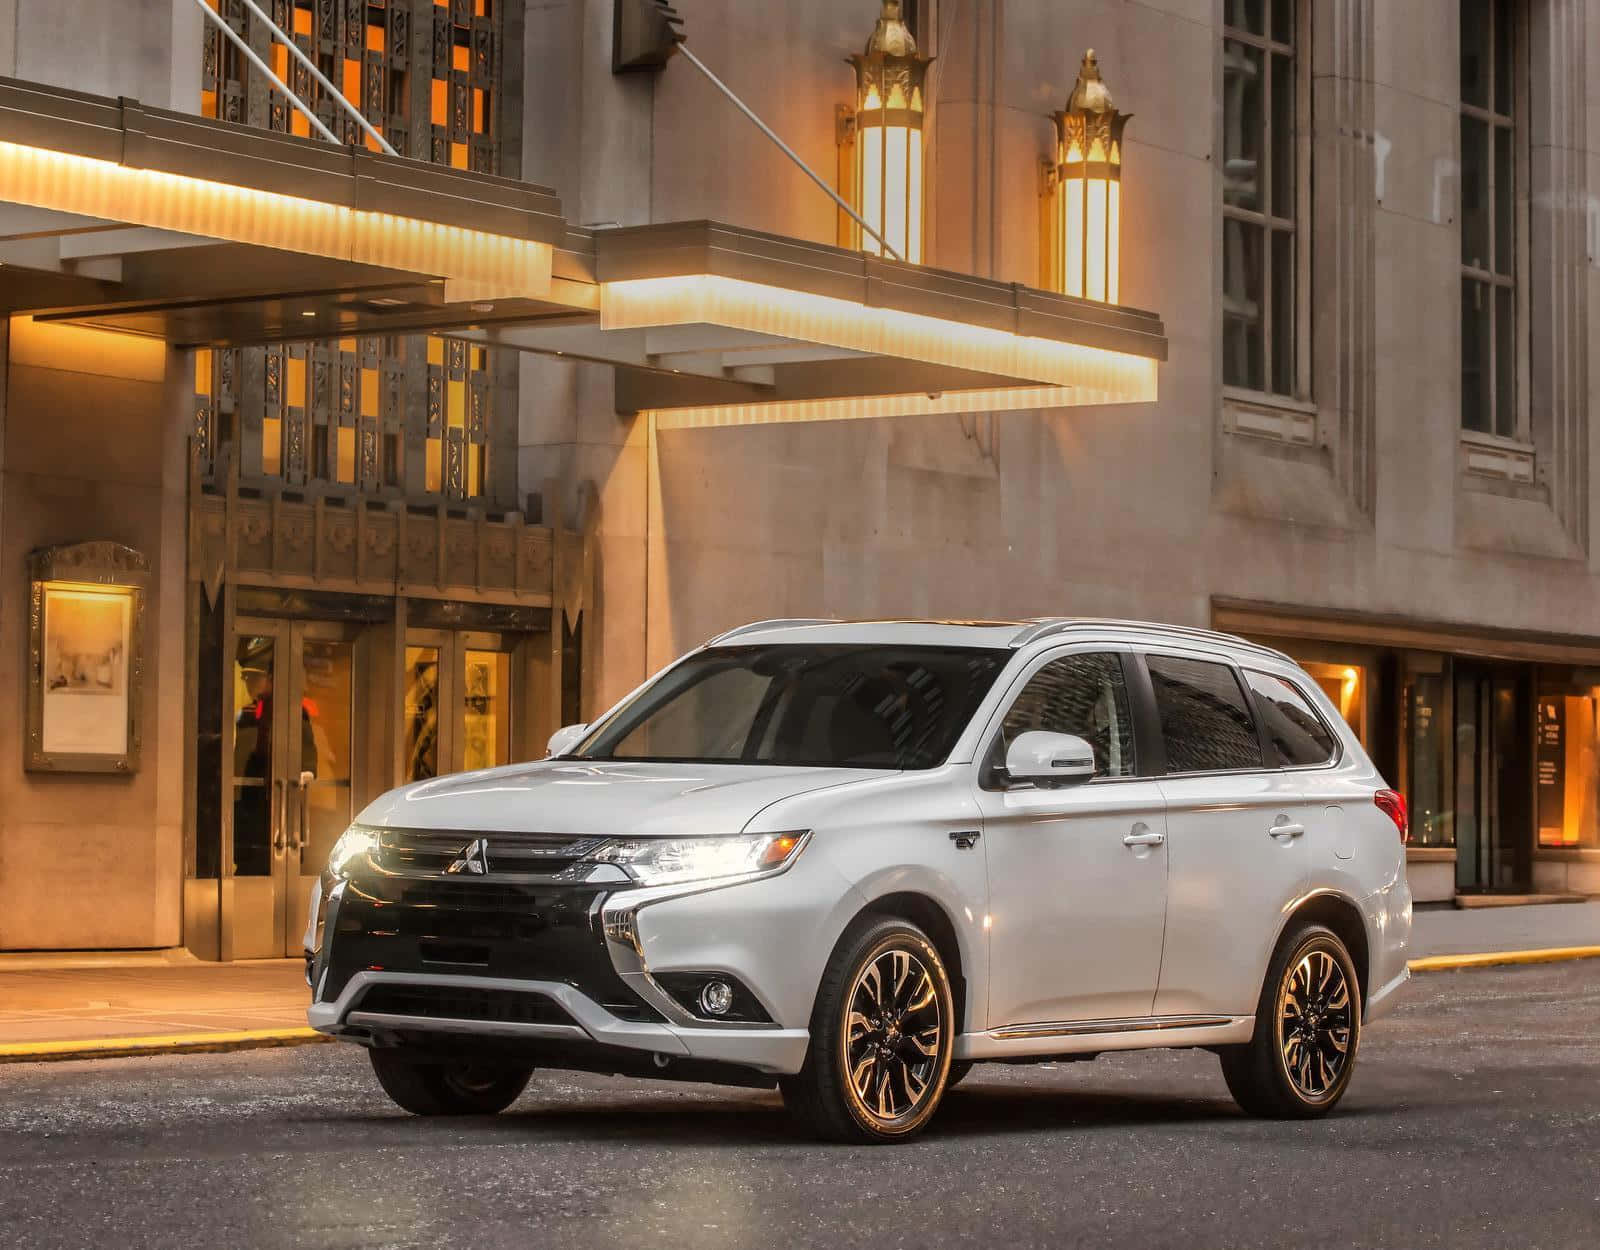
(716, 998)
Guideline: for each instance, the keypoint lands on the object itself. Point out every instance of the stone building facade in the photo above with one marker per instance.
(1369, 231)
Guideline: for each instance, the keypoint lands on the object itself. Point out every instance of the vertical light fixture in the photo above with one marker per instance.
(1085, 224)
(887, 137)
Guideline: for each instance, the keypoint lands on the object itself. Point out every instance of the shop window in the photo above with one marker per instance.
(1567, 760)
(1428, 757)
(1346, 688)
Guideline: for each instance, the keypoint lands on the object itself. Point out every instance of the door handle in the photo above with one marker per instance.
(303, 832)
(1287, 831)
(279, 814)
(1148, 838)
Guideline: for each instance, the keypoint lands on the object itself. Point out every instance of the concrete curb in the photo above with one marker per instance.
(170, 1044)
(261, 1039)
(1495, 959)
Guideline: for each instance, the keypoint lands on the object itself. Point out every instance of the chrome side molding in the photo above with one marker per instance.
(1081, 1028)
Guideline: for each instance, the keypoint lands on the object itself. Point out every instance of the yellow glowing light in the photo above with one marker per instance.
(862, 407)
(1087, 215)
(86, 349)
(737, 304)
(891, 189)
(888, 137)
(476, 265)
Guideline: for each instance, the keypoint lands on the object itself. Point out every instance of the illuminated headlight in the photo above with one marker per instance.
(665, 861)
(353, 843)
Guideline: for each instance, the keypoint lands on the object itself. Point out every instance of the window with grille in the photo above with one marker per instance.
(1488, 188)
(396, 415)
(1263, 196)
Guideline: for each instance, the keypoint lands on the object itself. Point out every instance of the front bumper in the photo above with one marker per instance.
(775, 1051)
(555, 966)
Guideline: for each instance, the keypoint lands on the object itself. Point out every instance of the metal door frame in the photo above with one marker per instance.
(452, 646)
(269, 927)
(1493, 839)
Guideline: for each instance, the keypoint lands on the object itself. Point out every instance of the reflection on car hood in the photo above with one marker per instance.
(594, 798)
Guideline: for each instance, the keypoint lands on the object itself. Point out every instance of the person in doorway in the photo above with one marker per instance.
(253, 765)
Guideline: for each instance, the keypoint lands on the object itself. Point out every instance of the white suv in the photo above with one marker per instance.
(853, 859)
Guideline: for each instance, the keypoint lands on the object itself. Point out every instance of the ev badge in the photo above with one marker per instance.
(474, 860)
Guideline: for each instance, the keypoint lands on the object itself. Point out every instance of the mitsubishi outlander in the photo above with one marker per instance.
(851, 860)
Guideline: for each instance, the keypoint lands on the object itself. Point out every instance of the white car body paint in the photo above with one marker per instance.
(1066, 937)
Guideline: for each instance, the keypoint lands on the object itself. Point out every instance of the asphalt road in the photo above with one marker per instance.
(1473, 1120)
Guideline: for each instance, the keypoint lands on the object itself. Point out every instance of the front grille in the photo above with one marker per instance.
(434, 850)
(438, 1002)
(508, 929)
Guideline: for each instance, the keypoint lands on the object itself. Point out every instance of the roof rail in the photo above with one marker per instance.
(1047, 627)
(779, 623)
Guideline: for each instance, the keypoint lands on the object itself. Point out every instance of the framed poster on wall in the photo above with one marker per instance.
(85, 658)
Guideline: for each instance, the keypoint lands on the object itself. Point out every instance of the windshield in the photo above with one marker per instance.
(838, 706)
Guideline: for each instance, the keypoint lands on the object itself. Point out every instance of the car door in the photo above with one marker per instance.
(1235, 838)
(1077, 875)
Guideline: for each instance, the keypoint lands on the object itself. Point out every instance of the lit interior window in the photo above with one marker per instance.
(1346, 687)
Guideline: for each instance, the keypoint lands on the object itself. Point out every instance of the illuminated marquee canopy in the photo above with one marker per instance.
(164, 211)
(201, 233)
(713, 325)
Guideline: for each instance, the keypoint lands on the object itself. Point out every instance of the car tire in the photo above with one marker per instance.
(882, 1034)
(428, 1085)
(1298, 1064)
(959, 1071)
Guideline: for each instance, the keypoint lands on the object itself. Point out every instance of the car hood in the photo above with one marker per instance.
(597, 798)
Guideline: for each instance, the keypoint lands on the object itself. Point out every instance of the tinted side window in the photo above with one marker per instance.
(1205, 721)
(1296, 733)
(1083, 695)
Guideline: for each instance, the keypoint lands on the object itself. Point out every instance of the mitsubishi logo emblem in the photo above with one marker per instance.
(474, 860)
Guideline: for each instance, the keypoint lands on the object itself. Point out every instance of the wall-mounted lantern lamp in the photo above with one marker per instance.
(880, 141)
(1083, 192)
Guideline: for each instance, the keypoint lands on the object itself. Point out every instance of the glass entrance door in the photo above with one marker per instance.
(458, 703)
(290, 774)
(1493, 778)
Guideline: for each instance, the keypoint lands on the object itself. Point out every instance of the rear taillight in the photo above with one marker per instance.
(1393, 805)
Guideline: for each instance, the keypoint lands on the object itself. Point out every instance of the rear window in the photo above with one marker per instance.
(1297, 735)
(1205, 722)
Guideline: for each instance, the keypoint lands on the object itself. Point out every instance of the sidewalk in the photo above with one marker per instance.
(130, 1004)
(79, 1006)
(1447, 931)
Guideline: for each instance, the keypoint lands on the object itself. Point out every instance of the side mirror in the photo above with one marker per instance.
(564, 739)
(1048, 759)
